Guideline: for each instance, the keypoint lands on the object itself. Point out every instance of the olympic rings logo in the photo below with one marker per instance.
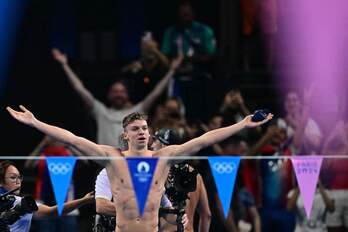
(59, 168)
(224, 167)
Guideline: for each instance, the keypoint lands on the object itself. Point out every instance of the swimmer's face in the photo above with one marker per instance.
(137, 134)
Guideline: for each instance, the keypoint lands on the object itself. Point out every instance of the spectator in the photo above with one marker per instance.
(171, 115)
(234, 109)
(303, 132)
(335, 176)
(109, 120)
(276, 180)
(233, 106)
(148, 70)
(196, 42)
(322, 204)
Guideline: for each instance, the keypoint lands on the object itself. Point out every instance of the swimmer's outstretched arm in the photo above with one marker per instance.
(83, 145)
(211, 137)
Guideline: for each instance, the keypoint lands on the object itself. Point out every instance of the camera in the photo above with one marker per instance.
(11, 212)
(104, 223)
(181, 180)
(6, 201)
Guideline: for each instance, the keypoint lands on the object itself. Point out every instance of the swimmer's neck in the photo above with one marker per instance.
(138, 152)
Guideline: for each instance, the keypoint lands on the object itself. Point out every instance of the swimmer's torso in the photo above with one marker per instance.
(128, 218)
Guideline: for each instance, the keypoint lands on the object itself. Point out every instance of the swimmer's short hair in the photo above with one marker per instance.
(132, 117)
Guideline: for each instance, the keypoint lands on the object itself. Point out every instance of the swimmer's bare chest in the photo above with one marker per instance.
(128, 218)
(122, 187)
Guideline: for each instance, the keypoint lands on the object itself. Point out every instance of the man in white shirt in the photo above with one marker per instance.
(109, 119)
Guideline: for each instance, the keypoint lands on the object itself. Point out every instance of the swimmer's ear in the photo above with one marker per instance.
(124, 136)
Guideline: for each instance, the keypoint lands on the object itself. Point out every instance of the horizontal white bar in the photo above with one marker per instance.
(178, 157)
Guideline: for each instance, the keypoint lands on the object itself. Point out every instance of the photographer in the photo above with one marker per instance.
(11, 179)
(198, 197)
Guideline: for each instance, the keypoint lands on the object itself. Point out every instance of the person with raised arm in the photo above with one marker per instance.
(109, 119)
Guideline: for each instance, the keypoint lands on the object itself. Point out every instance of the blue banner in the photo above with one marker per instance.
(224, 170)
(60, 170)
(141, 171)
